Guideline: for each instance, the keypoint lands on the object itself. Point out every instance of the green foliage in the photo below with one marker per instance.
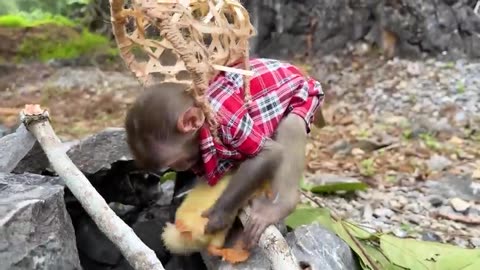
(367, 167)
(384, 251)
(460, 87)
(45, 48)
(168, 176)
(334, 187)
(430, 141)
(49, 6)
(22, 19)
(305, 215)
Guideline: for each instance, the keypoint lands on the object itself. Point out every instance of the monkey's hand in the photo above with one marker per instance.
(218, 219)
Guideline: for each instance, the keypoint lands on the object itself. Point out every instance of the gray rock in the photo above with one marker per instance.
(450, 186)
(4, 130)
(436, 200)
(167, 193)
(413, 207)
(431, 236)
(17, 145)
(93, 244)
(400, 233)
(432, 27)
(383, 212)
(36, 161)
(438, 163)
(475, 242)
(35, 229)
(100, 150)
(311, 244)
(459, 205)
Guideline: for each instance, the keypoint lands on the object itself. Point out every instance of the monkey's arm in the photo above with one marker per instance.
(292, 136)
(249, 176)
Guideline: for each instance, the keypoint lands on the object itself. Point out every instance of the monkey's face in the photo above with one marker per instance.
(182, 154)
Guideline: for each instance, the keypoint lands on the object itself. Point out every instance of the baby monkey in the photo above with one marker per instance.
(263, 140)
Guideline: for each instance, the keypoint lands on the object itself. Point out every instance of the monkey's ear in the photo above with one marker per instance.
(190, 120)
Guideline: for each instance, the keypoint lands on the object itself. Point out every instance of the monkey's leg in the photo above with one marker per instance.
(292, 135)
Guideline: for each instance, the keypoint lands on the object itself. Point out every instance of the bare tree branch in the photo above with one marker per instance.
(140, 256)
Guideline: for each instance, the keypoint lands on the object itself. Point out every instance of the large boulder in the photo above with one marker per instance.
(438, 27)
(17, 145)
(313, 246)
(35, 229)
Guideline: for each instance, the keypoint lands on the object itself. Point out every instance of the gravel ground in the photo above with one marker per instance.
(411, 130)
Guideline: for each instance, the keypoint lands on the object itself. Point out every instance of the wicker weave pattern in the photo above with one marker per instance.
(183, 41)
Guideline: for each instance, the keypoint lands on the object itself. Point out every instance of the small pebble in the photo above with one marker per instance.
(400, 233)
(425, 223)
(460, 242)
(413, 207)
(413, 219)
(475, 242)
(394, 204)
(436, 200)
(402, 200)
(357, 152)
(431, 236)
(438, 163)
(383, 212)
(367, 212)
(459, 205)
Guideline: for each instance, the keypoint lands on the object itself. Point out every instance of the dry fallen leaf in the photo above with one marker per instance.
(456, 140)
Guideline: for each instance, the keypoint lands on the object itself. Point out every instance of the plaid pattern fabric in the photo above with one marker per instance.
(277, 89)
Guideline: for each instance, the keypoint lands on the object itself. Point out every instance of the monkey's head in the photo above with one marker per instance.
(162, 128)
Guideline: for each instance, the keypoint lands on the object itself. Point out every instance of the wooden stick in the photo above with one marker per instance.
(140, 256)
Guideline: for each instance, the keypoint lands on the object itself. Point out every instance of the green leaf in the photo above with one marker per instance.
(168, 176)
(423, 255)
(368, 261)
(358, 232)
(304, 215)
(376, 255)
(333, 187)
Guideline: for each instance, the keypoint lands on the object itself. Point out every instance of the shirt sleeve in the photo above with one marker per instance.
(247, 139)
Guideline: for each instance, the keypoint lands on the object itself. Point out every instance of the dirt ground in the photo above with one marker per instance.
(81, 100)
(395, 125)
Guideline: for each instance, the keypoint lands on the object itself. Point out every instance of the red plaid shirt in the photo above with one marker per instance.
(277, 89)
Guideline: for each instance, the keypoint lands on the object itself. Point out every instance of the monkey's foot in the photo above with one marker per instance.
(264, 213)
(233, 255)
